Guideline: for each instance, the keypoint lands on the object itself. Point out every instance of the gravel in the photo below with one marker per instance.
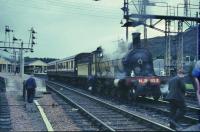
(21, 119)
(56, 114)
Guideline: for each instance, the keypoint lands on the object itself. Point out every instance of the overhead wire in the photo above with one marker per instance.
(72, 13)
(59, 9)
(82, 4)
(88, 6)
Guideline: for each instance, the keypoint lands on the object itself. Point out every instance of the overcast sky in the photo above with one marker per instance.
(67, 27)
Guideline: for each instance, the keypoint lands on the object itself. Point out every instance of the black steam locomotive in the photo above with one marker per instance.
(130, 76)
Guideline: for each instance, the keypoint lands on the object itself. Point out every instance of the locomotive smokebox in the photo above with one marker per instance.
(136, 40)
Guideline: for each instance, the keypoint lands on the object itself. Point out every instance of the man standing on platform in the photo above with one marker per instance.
(176, 98)
(30, 87)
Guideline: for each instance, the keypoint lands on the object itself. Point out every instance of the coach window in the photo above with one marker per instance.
(72, 64)
(65, 65)
(68, 65)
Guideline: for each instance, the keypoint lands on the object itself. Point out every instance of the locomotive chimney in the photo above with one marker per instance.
(136, 40)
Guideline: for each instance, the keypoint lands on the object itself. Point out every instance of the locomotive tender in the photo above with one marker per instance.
(130, 76)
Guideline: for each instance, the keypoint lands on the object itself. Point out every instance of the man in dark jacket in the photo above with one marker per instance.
(176, 98)
(30, 87)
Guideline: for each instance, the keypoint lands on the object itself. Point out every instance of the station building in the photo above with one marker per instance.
(6, 65)
(36, 66)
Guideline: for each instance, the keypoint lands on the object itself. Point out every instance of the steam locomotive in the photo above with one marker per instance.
(130, 76)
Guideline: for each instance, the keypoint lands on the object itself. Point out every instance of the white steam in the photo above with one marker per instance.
(113, 53)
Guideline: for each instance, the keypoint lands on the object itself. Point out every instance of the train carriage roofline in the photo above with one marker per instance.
(68, 58)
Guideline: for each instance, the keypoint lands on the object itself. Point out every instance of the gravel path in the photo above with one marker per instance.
(21, 119)
(56, 114)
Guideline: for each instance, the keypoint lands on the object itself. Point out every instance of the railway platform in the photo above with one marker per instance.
(20, 116)
(45, 114)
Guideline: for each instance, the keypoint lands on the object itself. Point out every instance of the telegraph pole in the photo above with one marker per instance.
(31, 43)
(127, 13)
(21, 48)
(21, 61)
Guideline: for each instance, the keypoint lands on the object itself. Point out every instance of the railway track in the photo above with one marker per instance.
(154, 110)
(108, 116)
(78, 117)
(5, 121)
(158, 110)
(192, 108)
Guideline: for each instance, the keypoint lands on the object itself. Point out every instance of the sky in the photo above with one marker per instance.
(68, 27)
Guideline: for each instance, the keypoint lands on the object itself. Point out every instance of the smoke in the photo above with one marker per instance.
(112, 55)
(115, 51)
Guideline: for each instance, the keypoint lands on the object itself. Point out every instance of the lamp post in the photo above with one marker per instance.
(21, 48)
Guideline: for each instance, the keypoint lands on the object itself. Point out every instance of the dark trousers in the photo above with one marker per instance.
(30, 95)
(24, 93)
(177, 110)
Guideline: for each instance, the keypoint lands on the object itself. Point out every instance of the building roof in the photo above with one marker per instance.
(4, 61)
(35, 63)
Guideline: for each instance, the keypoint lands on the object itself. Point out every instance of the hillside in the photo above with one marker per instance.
(157, 45)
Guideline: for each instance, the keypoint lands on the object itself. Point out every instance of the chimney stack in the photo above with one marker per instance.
(136, 40)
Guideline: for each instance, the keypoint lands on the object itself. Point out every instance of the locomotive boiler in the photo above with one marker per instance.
(140, 75)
